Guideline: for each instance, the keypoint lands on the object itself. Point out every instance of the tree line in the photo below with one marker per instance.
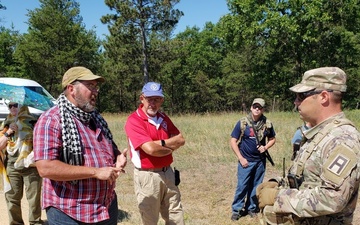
(259, 49)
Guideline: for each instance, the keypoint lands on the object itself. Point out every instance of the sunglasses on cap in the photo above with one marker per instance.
(13, 105)
(257, 106)
(302, 96)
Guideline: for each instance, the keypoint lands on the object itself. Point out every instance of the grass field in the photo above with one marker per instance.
(208, 165)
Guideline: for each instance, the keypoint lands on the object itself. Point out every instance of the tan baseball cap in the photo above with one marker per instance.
(324, 78)
(79, 73)
(259, 101)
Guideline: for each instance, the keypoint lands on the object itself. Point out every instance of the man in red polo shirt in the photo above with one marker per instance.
(152, 138)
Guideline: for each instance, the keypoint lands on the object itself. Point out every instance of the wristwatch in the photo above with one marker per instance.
(162, 142)
(6, 134)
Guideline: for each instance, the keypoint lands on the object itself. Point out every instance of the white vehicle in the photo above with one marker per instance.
(32, 85)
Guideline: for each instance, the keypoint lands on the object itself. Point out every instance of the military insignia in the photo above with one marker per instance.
(339, 165)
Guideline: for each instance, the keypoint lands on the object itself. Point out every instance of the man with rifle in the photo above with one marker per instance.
(323, 181)
(250, 139)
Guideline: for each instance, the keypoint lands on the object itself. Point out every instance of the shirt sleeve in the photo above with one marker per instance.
(136, 132)
(47, 139)
(271, 133)
(236, 131)
(172, 129)
(297, 136)
(319, 201)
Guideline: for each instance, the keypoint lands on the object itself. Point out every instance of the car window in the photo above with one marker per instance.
(40, 90)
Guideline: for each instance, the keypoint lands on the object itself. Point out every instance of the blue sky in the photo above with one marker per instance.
(196, 13)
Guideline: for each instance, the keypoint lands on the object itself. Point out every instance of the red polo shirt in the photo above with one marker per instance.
(140, 129)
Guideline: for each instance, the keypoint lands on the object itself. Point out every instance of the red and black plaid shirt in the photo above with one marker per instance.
(87, 200)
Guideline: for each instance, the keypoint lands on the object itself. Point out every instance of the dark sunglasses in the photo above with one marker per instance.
(302, 96)
(13, 105)
(256, 106)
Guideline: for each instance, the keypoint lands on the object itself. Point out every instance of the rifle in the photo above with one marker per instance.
(296, 148)
(265, 153)
(284, 168)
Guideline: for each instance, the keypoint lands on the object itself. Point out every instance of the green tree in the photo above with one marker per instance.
(56, 40)
(287, 37)
(140, 18)
(8, 42)
(194, 73)
(122, 67)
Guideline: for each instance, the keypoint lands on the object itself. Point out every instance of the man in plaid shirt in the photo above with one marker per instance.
(76, 156)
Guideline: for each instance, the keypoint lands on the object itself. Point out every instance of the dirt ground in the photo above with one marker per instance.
(4, 219)
(25, 209)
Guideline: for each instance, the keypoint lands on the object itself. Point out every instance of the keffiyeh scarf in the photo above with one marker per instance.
(72, 153)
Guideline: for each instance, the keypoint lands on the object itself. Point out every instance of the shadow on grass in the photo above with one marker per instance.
(123, 216)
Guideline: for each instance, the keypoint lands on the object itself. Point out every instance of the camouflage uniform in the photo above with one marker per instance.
(329, 165)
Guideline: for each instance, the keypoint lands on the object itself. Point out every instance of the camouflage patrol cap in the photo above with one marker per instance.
(259, 101)
(324, 78)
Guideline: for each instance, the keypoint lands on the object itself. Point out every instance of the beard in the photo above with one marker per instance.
(151, 112)
(84, 104)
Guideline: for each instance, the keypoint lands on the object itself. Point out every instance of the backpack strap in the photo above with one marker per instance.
(243, 123)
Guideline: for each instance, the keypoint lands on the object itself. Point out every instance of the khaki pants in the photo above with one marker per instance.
(156, 193)
(32, 181)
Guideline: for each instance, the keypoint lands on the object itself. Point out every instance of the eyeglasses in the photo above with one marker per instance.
(13, 105)
(90, 86)
(257, 106)
(302, 96)
(153, 99)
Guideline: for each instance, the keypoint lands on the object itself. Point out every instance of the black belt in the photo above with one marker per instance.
(162, 169)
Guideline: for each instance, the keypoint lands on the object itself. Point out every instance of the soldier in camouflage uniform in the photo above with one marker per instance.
(323, 182)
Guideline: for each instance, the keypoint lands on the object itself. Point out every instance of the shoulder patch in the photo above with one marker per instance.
(339, 165)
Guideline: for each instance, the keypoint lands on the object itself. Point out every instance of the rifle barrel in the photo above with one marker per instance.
(268, 156)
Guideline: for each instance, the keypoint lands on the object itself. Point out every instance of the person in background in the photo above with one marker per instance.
(324, 177)
(17, 154)
(250, 138)
(153, 138)
(298, 137)
(76, 155)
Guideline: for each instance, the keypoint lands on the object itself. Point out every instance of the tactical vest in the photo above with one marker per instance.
(269, 217)
(298, 166)
(245, 121)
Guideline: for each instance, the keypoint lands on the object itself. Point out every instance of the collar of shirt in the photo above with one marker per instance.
(156, 121)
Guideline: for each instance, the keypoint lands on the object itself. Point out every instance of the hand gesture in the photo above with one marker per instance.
(121, 161)
(107, 173)
(13, 127)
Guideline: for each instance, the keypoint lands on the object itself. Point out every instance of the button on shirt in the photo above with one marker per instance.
(88, 199)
